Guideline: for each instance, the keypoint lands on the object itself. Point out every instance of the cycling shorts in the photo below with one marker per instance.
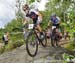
(57, 25)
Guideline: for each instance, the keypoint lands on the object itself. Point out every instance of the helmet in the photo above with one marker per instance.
(53, 14)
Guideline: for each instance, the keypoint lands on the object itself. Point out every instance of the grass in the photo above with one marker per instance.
(70, 46)
(10, 46)
(14, 42)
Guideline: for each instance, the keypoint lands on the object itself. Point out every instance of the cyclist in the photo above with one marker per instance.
(55, 20)
(6, 38)
(35, 15)
(25, 21)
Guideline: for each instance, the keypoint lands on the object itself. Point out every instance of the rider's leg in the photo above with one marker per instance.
(40, 29)
(38, 22)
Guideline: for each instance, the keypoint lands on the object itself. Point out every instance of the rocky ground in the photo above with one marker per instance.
(48, 54)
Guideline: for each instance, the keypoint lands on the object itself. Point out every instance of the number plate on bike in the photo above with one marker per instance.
(30, 26)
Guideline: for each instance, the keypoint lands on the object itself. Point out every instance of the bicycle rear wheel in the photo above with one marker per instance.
(54, 41)
(32, 44)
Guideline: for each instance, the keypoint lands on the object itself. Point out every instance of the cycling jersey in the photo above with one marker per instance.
(35, 16)
(55, 20)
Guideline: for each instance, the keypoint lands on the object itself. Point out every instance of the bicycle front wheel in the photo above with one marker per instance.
(32, 44)
(44, 40)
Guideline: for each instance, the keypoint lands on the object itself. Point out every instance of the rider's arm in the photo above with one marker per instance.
(40, 16)
(58, 20)
(24, 21)
(50, 21)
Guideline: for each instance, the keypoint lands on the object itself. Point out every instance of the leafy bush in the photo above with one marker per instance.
(11, 46)
(2, 49)
(18, 44)
(70, 46)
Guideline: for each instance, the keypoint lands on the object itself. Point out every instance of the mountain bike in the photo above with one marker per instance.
(33, 39)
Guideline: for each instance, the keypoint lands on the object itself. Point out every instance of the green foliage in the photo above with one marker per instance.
(15, 40)
(2, 49)
(68, 58)
(71, 19)
(11, 45)
(70, 46)
(31, 1)
(46, 16)
(15, 23)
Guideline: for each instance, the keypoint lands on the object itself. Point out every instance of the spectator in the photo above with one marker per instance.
(6, 38)
(66, 35)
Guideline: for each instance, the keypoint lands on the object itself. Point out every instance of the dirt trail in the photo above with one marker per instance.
(45, 55)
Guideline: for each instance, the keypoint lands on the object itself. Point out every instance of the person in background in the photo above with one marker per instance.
(66, 35)
(6, 38)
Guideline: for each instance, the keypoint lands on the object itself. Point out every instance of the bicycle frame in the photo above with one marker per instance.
(38, 36)
(36, 33)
